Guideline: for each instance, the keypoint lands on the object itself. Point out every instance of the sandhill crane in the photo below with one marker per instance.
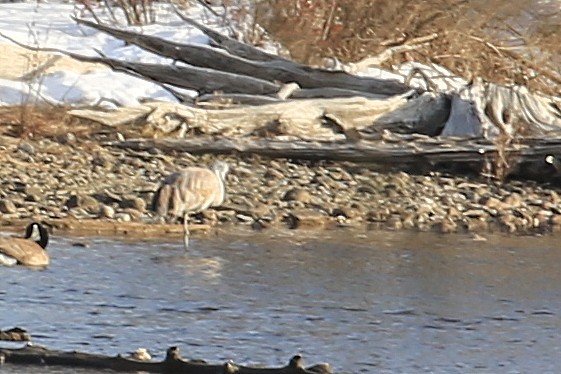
(189, 191)
(29, 251)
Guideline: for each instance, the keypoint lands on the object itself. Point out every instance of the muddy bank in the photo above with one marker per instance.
(71, 182)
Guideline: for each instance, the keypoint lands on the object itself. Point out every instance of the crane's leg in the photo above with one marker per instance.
(186, 230)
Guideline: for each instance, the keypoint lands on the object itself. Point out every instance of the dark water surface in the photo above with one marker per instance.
(382, 303)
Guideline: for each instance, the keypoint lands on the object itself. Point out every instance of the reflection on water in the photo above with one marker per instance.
(382, 302)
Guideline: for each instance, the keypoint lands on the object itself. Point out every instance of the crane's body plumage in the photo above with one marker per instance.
(29, 251)
(190, 191)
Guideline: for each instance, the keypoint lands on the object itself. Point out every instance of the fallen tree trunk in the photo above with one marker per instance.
(402, 150)
(280, 70)
(172, 364)
(222, 85)
(304, 119)
(388, 153)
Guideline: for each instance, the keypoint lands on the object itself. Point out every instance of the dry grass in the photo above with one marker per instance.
(46, 121)
(135, 12)
(36, 121)
(499, 40)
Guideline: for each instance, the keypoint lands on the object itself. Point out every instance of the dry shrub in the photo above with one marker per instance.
(136, 12)
(27, 122)
(503, 41)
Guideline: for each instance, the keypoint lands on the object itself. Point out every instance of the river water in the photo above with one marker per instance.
(380, 302)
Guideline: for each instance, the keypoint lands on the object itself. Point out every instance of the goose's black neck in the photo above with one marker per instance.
(37, 233)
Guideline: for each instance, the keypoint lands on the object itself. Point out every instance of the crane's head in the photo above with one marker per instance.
(220, 168)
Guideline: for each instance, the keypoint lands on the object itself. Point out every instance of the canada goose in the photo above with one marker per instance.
(29, 251)
(189, 191)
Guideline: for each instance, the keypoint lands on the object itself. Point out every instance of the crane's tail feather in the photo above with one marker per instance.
(161, 200)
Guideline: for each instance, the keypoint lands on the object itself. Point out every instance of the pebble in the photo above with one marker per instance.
(26, 148)
(304, 218)
(85, 202)
(134, 203)
(297, 194)
(105, 211)
(7, 207)
(122, 217)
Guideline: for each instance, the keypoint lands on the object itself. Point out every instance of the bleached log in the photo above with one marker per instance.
(310, 93)
(489, 110)
(122, 117)
(302, 119)
(402, 149)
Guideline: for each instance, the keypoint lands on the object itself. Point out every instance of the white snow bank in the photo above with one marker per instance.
(49, 25)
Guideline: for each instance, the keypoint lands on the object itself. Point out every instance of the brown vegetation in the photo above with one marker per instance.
(135, 12)
(498, 40)
(29, 121)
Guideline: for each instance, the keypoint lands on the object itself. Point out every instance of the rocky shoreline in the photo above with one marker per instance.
(64, 179)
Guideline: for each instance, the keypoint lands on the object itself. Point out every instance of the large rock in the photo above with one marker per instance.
(7, 207)
(306, 218)
(136, 203)
(86, 202)
(298, 194)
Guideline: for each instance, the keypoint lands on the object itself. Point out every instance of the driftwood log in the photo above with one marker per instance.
(479, 110)
(489, 110)
(280, 70)
(172, 364)
(304, 119)
(534, 158)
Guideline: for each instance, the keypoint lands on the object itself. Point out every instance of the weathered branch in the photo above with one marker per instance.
(39, 70)
(283, 71)
(199, 79)
(173, 363)
(389, 152)
(400, 150)
(232, 46)
(378, 60)
(299, 118)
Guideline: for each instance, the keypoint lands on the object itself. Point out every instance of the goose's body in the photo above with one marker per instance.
(190, 191)
(28, 251)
